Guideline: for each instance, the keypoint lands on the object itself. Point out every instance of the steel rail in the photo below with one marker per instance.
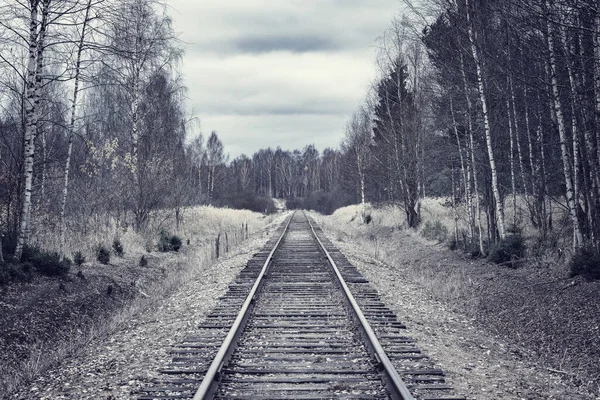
(236, 328)
(396, 381)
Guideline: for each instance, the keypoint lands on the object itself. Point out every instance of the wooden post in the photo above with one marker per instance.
(217, 245)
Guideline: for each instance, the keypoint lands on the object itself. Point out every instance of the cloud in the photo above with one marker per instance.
(246, 134)
(267, 72)
(294, 44)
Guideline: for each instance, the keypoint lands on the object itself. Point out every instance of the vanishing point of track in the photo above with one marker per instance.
(300, 322)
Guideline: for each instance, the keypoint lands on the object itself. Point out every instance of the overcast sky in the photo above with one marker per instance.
(278, 72)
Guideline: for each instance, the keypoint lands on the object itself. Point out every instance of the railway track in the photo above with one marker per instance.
(300, 322)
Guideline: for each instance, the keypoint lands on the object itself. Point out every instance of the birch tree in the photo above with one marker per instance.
(38, 25)
(357, 144)
(140, 43)
(472, 35)
(215, 158)
(71, 128)
(558, 113)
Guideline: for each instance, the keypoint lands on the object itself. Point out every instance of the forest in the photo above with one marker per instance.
(492, 105)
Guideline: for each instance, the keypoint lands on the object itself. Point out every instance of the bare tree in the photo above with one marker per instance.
(473, 40)
(38, 25)
(71, 128)
(357, 144)
(215, 159)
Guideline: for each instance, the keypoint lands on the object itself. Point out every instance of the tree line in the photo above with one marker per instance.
(92, 117)
(495, 103)
(93, 128)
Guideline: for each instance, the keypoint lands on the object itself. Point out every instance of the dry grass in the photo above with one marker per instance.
(381, 237)
(201, 225)
(438, 209)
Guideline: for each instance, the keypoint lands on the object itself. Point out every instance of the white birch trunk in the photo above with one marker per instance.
(454, 209)
(486, 122)
(530, 146)
(512, 162)
(135, 134)
(517, 138)
(465, 173)
(574, 125)
(472, 154)
(32, 97)
(567, 169)
(42, 132)
(70, 133)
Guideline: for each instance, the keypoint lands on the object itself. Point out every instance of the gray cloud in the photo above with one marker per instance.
(271, 72)
(294, 44)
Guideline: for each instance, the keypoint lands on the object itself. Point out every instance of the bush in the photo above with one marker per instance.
(294, 203)
(48, 264)
(10, 272)
(585, 262)
(435, 231)
(249, 201)
(327, 202)
(509, 250)
(102, 254)
(78, 258)
(22, 272)
(168, 242)
(143, 261)
(452, 244)
(118, 247)
(175, 242)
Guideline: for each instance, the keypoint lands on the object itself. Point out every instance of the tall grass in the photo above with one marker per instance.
(438, 210)
(200, 224)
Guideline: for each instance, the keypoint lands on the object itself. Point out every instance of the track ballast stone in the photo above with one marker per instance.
(301, 339)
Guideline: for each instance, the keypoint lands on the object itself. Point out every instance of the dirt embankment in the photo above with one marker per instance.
(500, 333)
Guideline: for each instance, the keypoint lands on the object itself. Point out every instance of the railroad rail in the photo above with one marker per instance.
(300, 322)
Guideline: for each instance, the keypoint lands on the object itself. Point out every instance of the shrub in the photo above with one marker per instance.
(585, 262)
(294, 204)
(168, 242)
(46, 263)
(327, 202)
(22, 272)
(78, 258)
(143, 261)
(249, 201)
(175, 242)
(509, 250)
(102, 254)
(452, 243)
(435, 231)
(118, 247)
